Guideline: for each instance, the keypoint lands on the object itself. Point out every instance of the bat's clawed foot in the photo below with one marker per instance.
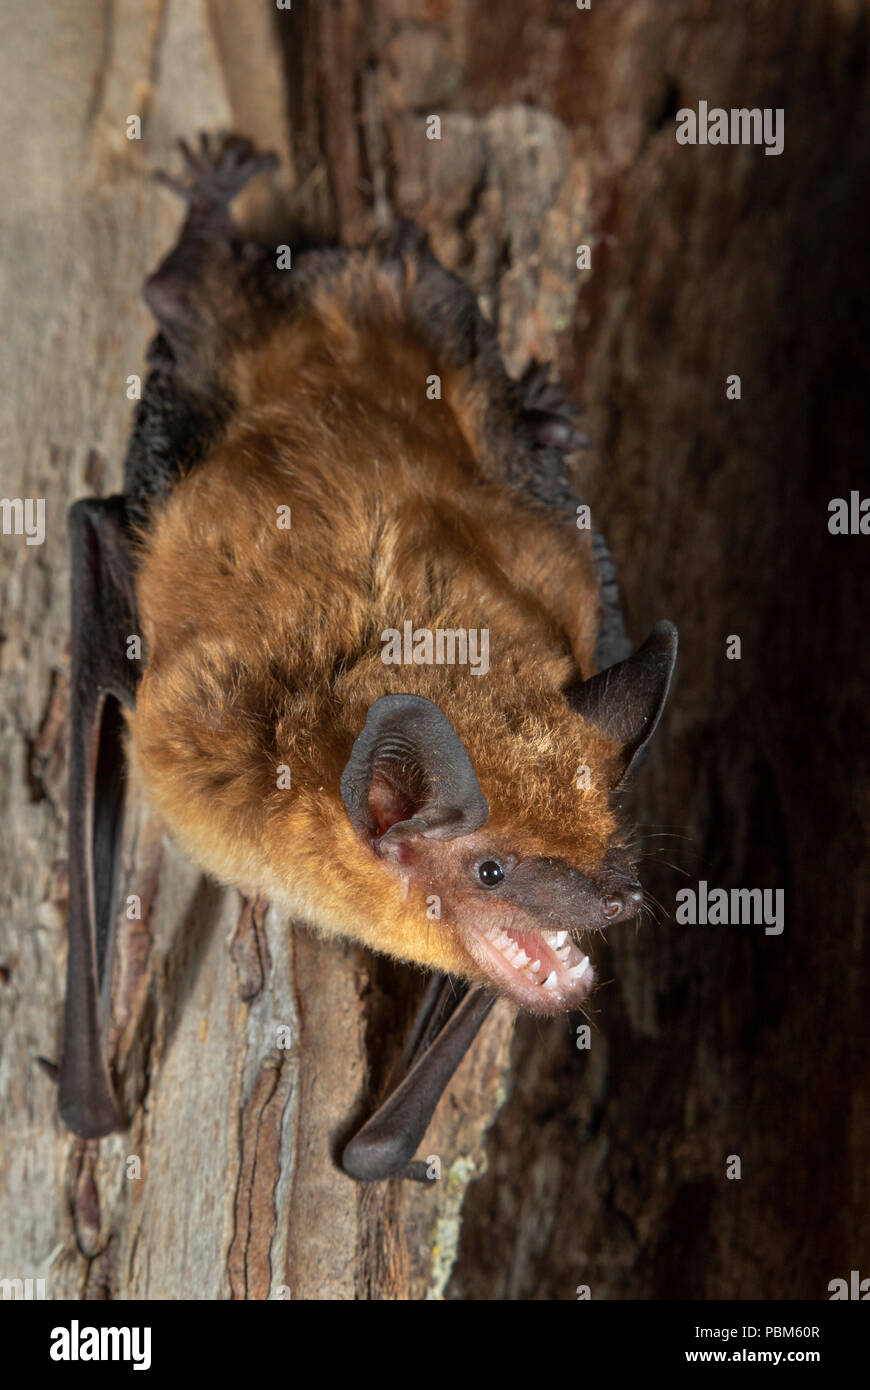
(218, 170)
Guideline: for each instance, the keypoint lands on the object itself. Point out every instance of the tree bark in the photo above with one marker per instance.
(606, 1167)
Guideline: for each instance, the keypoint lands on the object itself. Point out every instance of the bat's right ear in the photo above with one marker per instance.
(626, 700)
(409, 774)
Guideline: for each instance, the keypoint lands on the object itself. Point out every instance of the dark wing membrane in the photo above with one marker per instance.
(172, 429)
(444, 1027)
(102, 679)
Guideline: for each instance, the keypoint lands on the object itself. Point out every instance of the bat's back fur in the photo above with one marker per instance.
(264, 643)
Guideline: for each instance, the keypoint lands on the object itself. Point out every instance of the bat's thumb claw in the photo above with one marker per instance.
(51, 1069)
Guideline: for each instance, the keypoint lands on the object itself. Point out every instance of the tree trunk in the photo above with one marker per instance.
(605, 1167)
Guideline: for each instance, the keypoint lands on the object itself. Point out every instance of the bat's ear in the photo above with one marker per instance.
(409, 774)
(627, 699)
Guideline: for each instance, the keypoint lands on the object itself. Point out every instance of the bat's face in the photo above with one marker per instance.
(524, 921)
(518, 882)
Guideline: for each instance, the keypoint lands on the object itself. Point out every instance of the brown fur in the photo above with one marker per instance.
(264, 645)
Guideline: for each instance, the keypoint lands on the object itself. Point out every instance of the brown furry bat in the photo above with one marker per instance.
(332, 484)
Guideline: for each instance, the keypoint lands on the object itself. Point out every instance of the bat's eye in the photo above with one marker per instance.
(490, 872)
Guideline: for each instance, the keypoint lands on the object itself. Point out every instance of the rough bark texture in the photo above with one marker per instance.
(605, 1167)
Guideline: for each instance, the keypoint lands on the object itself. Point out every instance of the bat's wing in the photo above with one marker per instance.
(102, 679)
(444, 1027)
(198, 298)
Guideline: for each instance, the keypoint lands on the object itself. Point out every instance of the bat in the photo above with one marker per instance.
(383, 675)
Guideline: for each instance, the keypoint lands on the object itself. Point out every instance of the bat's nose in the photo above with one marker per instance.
(616, 907)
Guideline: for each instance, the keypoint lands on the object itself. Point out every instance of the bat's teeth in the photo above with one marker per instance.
(565, 954)
(502, 941)
(510, 949)
(551, 980)
(534, 967)
(558, 939)
(491, 933)
(521, 960)
(578, 971)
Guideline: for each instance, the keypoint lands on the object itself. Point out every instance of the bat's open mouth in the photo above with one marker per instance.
(545, 971)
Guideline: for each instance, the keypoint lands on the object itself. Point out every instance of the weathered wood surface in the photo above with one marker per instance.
(608, 1167)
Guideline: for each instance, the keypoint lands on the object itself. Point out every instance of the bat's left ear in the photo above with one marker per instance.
(626, 700)
(409, 774)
